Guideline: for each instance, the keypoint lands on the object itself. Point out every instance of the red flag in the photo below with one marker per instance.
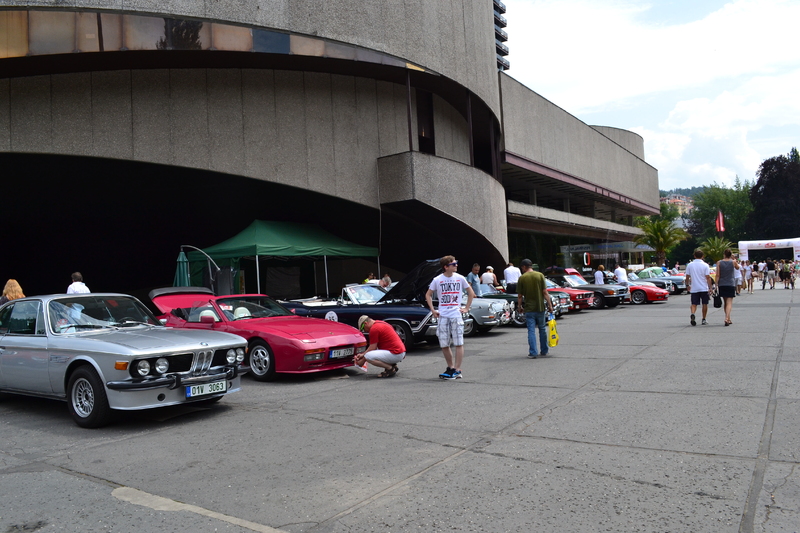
(720, 221)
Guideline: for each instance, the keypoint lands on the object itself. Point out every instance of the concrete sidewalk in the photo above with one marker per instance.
(636, 422)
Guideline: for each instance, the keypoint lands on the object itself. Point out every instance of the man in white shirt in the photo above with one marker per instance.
(77, 286)
(621, 275)
(698, 282)
(450, 324)
(511, 274)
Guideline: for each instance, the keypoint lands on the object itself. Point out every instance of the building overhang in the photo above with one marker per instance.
(524, 179)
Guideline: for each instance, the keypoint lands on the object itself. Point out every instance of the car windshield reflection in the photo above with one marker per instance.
(68, 315)
(364, 294)
(575, 281)
(242, 308)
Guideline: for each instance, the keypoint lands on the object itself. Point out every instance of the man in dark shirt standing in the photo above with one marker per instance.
(771, 272)
(532, 297)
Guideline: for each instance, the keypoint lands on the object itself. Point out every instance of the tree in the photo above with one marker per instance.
(668, 212)
(660, 235)
(734, 203)
(714, 248)
(775, 197)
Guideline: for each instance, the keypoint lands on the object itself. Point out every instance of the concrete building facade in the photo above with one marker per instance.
(386, 122)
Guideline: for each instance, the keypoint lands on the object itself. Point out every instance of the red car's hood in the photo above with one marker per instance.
(299, 326)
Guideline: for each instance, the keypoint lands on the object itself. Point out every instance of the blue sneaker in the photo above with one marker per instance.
(457, 374)
(447, 374)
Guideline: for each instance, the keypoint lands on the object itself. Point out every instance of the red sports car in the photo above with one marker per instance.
(644, 292)
(278, 340)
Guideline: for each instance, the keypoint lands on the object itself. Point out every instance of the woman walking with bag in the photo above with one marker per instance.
(726, 282)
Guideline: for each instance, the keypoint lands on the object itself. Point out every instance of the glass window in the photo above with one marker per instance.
(231, 38)
(14, 29)
(305, 46)
(144, 33)
(251, 307)
(51, 32)
(5, 317)
(72, 314)
(98, 32)
(23, 318)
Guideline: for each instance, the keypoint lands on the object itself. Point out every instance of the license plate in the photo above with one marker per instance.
(215, 387)
(341, 352)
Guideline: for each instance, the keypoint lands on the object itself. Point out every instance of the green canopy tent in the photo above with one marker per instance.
(265, 238)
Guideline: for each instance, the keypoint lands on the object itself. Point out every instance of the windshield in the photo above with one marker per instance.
(485, 288)
(575, 281)
(550, 284)
(68, 315)
(363, 294)
(240, 308)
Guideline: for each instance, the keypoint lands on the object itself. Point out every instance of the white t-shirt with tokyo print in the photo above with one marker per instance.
(449, 291)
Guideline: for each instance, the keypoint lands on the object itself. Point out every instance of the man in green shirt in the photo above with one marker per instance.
(532, 298)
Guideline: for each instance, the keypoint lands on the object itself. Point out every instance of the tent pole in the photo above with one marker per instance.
(258, 277)
(327, 291)
(379, 266)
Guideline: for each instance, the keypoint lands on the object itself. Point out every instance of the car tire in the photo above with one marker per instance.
(484, 331)
(404, 332)
(599, 301)
(470, 329)
(262, 361)
(613, 303)
(638, 297)
(86, 398)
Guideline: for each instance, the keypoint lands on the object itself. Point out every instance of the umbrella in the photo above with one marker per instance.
(182, 272)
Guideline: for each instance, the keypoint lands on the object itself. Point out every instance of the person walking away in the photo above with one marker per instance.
(748, 276)
(599, 276)
(771, 272)
(12, 291)
(77, 287)
(532, 299)
(621, 275)
(489, 277)
(698, 282)
(737, 278)
(511, 274)
(385, 348)
(449, 288)
(726, 279)
(474, 278)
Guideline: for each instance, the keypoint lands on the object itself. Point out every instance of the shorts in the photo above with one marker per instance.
(771, 274)
(700, 297)
(450, 329)
(385, 356)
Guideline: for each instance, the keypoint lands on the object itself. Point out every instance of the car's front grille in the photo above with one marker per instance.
(202, 362)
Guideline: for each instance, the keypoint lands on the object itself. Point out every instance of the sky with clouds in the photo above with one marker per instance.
(711, 86)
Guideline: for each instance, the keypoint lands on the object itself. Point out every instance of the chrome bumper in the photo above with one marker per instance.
(173, 381)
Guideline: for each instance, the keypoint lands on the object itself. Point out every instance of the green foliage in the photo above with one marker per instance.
(668, 212)
(693, 191)
(660, 235)
(734, 203)
(775, 197)
(714, 248)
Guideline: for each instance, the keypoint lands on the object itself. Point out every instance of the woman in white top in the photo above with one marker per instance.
(599, 276)
(489, 278)
(748, 276)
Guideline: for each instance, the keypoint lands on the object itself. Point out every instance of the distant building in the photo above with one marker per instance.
(684, 203)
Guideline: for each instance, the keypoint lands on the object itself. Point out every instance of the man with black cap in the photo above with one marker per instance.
(532, 297)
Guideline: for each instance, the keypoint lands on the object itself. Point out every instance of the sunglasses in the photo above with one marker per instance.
(364, 325)
(454, 263)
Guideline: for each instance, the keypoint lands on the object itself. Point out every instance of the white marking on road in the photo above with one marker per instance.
(158, 503)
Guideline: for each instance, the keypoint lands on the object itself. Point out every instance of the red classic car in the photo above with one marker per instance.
(578, 299)
(644, 292)
(277, 339)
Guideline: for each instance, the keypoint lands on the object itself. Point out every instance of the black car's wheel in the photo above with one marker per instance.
(599, 301)
(484, 331)
(404, 332)
(613, 303)
(262, 361)
(638, 297)
(86, 399)
(518, 319)
(469, 327)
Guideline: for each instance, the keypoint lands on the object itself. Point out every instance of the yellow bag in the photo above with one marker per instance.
(552, 340)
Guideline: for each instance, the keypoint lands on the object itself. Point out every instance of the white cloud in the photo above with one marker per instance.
(712, 98)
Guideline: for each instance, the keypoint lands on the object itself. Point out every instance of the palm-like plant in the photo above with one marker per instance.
(714, 248)
(661, 236)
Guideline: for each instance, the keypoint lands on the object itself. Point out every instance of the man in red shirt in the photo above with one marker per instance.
(385, 347)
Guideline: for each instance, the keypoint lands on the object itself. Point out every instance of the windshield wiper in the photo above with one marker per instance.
(81, 326)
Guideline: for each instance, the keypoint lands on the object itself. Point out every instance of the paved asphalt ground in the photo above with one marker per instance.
(637, 422)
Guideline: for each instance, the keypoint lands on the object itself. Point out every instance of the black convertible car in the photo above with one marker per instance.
(403, 306)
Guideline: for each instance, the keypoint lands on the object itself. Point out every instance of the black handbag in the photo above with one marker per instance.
(717, 299)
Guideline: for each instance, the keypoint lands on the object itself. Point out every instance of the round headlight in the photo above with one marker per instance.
(162, 365)
(231, 356)
(143, 367)
(240, 354)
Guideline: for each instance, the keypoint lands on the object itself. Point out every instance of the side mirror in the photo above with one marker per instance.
(206, 319)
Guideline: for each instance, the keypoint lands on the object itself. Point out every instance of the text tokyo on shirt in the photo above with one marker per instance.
(449, 291)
